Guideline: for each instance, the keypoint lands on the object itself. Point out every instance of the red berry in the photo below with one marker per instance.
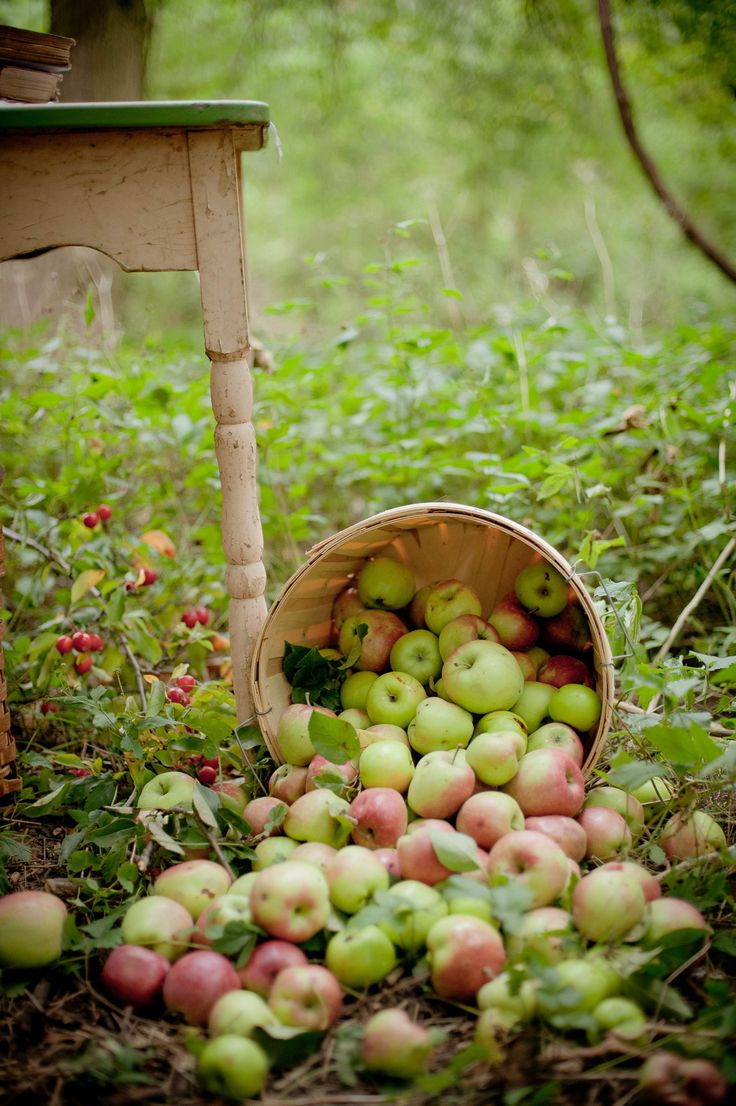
(189, 619)
(83, 664)
(64, 644)
(202, 615)
(80, 641)
(176, 695)
(150, 576)
(80, 773)
(207, 775)
(49, 708)
(130, 585)
(94, 643)
(104, 512)
(211, 762)
(186, 683)
(90, 520)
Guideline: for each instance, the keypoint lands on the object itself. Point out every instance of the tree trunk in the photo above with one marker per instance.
(109, 59)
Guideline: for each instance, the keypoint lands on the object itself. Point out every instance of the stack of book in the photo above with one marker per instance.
(32, 65)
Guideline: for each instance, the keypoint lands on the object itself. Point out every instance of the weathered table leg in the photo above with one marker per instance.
(214, 168)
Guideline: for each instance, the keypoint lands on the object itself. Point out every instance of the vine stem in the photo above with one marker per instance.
(57, 559)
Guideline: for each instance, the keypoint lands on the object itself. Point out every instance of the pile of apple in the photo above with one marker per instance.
(438, 825)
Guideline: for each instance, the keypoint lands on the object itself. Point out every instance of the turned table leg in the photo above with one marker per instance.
(217, 204)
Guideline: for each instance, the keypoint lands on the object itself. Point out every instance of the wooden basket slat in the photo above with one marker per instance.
(438, 541)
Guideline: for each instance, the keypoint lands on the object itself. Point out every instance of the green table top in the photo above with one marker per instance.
(140, 113)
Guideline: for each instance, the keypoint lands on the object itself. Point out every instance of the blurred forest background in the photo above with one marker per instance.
(487, 131)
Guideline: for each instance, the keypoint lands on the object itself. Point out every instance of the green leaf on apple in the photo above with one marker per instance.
(456, 851)
(633, 774)
(204, 806)
(333, 738)
(286, 1045)
(510, 900)
(211, 724)
(275, 818)
(160, 836)
(314, 678)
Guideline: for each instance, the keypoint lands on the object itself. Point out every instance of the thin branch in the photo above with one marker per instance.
(672, 207)
(696, 599)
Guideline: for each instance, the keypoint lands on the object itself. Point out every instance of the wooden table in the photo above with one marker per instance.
(157, 187)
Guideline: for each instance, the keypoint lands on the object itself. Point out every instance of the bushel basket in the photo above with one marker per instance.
(438, 541)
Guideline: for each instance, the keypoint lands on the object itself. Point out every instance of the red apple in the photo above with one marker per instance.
(395, 1045)
(380, 815)
(319, 766)
(533, 860)
(606, 832)
(567, 832)
(464, 953)
(266, 961)
(288, 782)
(607, 904)
(487, 816)
(258, 811)
(384, 628)
(308, 996)
(196, 981)
(134, 976)
(563, 669)
(548, 781)
(567, 632)
(290, 900)
(516, 627)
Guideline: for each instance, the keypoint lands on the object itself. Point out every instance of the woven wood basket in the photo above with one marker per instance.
(9, 782)
(438, 541)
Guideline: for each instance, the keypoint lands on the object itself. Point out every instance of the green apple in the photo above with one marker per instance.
(31, 929)
(386, 764)
(193, 883)
(232, 1066)
(242, 885)
(360, 957)
(292, 734)
(513, 1002)
(318, 815)
(482, 676)
(466, 627)
(621, 801)
(228, 910)
(307, 996)
(541, 589)
(416, 907)
(272, 850)
(546, 933)
(653, 793)
(356, 716)
(386, 584)
(393, 698)
(382, 732)
(239, 1012)
(577, 705)
(496, 720)
(418, 654)
(691, 834)
(466, 896)
(448, 599)
(532, 706)
(607, 903)
(395, 1045)
(620, 1016)
(577, 985)
(438, 724)
(441, 783)
(560, 736)
(354, 689)
(353, 875)
(159, 923)
(494, 757)
(290, 900)
(166, 791)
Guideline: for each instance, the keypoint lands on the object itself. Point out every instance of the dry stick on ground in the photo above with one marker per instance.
(56, 558)
(688, 609)
(672, 207)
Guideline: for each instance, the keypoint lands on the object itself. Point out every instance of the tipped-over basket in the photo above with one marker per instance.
(438, 541)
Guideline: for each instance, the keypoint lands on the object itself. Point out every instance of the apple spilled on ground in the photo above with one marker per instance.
(451, 836)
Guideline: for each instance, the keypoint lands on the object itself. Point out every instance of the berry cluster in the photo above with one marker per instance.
(197, 615)
(93, 518)
(84, 644)
(179, 693)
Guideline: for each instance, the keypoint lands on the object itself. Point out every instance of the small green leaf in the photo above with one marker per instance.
(333, 738)
(455, 851)
(156, 698)
(201, 803)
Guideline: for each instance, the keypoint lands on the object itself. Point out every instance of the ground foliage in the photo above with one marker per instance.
(613, 444)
